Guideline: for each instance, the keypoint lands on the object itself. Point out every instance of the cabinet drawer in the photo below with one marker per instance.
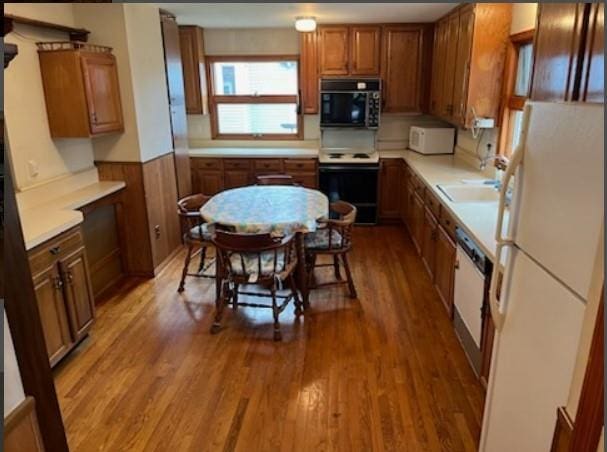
(307, 180)
(431, 202)
(240, 164)
(266, 165)
(300, 165)
(447, 222)
(205, 163)
(46, 254)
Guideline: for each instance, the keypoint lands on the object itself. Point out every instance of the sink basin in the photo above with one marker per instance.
(470, 193)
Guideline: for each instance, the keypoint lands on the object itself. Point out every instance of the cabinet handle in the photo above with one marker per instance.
(69, 277)
(57, 283)
(55, 250)
(456, 265)
(94, 115)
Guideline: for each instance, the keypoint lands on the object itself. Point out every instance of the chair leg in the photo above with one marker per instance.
(203, 256)
(235, 298)
(296, 300)
(277, 333)
(349, 276)
(186, 265)
(336, 267)
(311, 276)
(220, 304)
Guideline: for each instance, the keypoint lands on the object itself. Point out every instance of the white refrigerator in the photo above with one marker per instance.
(548, 254)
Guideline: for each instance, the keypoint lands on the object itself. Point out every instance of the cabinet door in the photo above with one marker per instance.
(438, 68)
(462, 63)
(78, 293)
(177, 111)
(364, 50)
(308, 45)
(593, 73)
(102, 92)
(403, 182)
(209, 182)
(556, 51)
(236, 178)
(401, 68)
(418, 222)
(409, 211)
(389, 180)
(48, 287)
(334, 45)
(429, 242)
(191, 43)
(451, 41)
(445, 268)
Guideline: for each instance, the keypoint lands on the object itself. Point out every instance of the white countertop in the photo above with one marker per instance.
(43, 222)
(478, 219)
(254, 152)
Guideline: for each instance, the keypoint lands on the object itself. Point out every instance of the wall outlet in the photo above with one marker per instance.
(32, 168)
(483, 123)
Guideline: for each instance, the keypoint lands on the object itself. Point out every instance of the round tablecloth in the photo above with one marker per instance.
(277, 209)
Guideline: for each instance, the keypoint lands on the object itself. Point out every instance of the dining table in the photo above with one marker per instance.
(276, 209)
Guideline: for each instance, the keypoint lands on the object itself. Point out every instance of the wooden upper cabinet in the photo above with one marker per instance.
(402, 62)
(468, 62)
(365, 49)
(194, 70)
(334, 44)
(81, 91)
(567, 67)
(556, 51)
(308, 71)
(592, 87)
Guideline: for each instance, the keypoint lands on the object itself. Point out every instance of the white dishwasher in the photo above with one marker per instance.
(472, 272)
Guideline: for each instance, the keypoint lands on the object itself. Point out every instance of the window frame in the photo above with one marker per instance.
(511, 102)
(215, 99)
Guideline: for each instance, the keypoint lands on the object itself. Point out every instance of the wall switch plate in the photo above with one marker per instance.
(32, 168)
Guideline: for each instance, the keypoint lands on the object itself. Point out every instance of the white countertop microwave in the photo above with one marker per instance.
(432, 139)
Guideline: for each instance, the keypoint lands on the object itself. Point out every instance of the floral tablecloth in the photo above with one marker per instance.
(277, 209)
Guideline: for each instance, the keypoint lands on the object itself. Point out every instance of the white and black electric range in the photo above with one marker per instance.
(351, 177)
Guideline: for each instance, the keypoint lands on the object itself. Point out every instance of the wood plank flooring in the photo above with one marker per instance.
(384, 372)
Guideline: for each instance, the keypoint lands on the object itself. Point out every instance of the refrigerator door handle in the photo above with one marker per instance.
(515, 161)
(497, 308)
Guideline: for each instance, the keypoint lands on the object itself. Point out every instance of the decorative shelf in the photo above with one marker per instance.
(75, 34)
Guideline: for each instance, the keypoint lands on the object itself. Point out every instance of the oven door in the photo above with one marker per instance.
(343, 109)
(356, 184)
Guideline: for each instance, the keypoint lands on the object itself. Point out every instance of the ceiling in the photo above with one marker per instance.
(258, 15)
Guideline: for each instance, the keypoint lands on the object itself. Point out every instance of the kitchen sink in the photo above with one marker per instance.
(470, 193)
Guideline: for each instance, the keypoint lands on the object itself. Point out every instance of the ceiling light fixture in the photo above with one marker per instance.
(305, 23)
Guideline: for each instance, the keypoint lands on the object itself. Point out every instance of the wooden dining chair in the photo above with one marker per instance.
(332, 238)
(196, 233)
(255, 259)
(275, 179)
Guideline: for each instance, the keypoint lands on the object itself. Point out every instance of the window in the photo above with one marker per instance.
(255, 97)
(517, 84)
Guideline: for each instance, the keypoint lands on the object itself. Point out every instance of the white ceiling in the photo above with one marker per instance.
(256, 15)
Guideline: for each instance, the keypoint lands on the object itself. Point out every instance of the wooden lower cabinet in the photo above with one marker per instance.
(417, 218)
(63, 292)
(429, 241)
(53, 313)
(389, 189)
(212, 175)
(444, 276)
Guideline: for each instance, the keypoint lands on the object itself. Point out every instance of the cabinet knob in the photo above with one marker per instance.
(57, 283)
(55, 250)
(69, 277)
(94, 116)
(456, 265)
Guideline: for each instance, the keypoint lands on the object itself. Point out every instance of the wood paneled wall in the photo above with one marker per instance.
(21, 431)
(148, 211)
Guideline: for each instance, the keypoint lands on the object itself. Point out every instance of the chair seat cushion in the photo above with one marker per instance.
(207, 232)
(251, 264)
(320, 239)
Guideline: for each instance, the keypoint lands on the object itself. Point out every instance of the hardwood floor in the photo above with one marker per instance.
(384, 372)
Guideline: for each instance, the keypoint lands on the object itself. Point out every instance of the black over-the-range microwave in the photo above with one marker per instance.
(350, 102)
